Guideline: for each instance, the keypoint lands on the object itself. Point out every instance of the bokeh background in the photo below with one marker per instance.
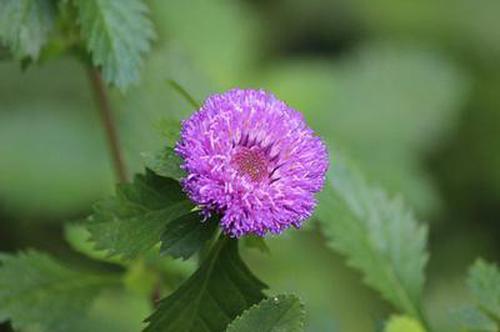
(408, 89)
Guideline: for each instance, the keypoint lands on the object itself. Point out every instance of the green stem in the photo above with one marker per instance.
(183, 92)
(108, 121)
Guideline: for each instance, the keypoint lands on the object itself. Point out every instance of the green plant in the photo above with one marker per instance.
(151, 217)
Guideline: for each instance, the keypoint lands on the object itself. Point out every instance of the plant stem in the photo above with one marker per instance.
(156, 295)
(183, 92)
(106, 114)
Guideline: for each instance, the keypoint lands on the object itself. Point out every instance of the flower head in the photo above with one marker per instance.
(252, 159)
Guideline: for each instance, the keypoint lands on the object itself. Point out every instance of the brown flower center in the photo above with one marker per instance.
(251, 162)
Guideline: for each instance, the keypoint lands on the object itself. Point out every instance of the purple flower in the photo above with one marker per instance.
(252, 159)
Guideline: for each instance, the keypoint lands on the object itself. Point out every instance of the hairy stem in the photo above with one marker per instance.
(108, 122)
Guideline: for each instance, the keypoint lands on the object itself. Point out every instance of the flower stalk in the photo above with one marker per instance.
(108, 121)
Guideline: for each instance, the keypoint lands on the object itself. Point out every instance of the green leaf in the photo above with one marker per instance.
(472, 319)
(256, 242)
(169, 129)
(484, 284)
(212, 297)
(36, 289)
(117, 34)
(379, 236)
(25, 25)
(282, 313)
(132, 222)
(166, 163)
(403, 324)
(186, 235)
(78, 237)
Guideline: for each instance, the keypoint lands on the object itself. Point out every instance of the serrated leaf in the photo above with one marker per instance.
(78, 237)
(282, 313)
(36, 289)
(472, 319)
(166, 163)
(403, 324)
(25, 25)
(212, 297)
(379, 236)
(484, 283)
(117, 34)
(132, 222)
(186, 235)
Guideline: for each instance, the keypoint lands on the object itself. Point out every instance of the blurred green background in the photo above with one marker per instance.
(409, 89)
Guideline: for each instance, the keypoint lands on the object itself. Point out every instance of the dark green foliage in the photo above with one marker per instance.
(418, 111)
(212, 297)
(37, 290)
(186, 235)
(256, 242)
(131, 223)
(282, 313)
